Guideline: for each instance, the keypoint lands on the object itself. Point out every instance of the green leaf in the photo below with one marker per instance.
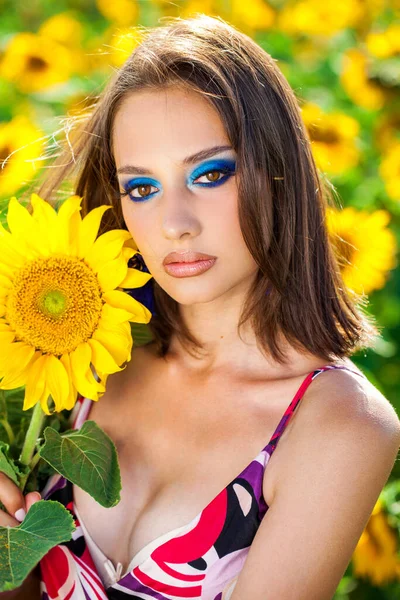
(47, 524)
(7, 464)
(88, 458)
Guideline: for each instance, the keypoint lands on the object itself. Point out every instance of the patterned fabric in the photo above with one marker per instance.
(201, 560)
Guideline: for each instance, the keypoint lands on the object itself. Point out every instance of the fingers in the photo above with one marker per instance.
(31, 498)
(13, 499)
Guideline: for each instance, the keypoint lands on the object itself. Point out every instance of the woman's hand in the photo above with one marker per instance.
(17, 506)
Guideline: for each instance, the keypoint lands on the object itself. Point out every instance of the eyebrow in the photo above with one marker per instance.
(193, 158)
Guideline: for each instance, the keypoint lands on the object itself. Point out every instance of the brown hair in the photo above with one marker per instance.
(282, 198)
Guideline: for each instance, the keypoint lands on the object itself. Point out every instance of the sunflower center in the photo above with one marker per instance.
(54, 304)
(5, 152)
(37, 64)
(325, 134)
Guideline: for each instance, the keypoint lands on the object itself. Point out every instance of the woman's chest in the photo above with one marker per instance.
(176, 458)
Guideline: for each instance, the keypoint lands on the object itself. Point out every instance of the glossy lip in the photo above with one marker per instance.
(186, 256)
(189, 269)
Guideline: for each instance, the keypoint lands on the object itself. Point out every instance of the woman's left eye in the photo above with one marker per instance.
(214, 177)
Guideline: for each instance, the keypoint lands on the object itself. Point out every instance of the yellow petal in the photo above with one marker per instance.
(80, 365)
(102, 359)
(73, 393)
(44, 400)
(7, 271)
(119, 299)
(23, 226)
(69, 220)
(89, 229)
(17, 365)
(57, 381)
(135, 278)
(46, 219)
(115, 316)
(35, 382)
(107, 247)
(115, 344)
(112, 273)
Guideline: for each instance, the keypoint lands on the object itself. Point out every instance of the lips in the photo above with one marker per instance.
(186, 256)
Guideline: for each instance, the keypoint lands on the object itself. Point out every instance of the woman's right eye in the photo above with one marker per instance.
(143, 191)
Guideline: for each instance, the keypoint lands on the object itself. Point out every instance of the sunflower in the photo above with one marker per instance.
(121, 12)
(21, 142)
(365, 247)
(312, 17)
(61, 313)
(390, 170)
(364, 89)
(35, 62)
(121, 45)
(333, 137)
(375, 556)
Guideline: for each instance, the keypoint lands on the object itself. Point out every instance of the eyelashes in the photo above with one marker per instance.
(223, 169)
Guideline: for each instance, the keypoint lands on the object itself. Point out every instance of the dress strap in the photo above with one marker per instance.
(296, 400)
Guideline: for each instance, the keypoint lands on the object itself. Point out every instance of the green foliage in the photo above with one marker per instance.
(46, 524)
(88, 458)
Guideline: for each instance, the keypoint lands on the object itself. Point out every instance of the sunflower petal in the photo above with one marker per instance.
(57, 381)
(73, 393)
(89, 228)
(112, 273)
(102, 359)
(23, 225)
(107, 247)
(17, 365)
(46, 219)
(80, 364)
(69, 221)
(114, 344)
(44, 400)
(135, 278)
(35, 382)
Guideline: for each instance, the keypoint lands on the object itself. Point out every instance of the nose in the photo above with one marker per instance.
(179, 218)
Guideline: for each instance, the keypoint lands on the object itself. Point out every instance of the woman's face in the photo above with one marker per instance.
(172, 202)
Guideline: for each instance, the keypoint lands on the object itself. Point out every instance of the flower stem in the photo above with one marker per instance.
(34, 430)
(8, 429)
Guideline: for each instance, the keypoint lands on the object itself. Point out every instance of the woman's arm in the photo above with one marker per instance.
(338, 458)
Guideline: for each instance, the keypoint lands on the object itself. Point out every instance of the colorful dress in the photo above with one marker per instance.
(201, 560)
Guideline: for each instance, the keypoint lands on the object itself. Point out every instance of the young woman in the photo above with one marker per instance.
(199, 145)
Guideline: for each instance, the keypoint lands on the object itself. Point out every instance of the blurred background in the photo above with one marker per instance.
(342, 59)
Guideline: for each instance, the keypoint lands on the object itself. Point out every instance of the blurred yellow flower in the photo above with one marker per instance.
(120, 12)
(384, 44)
(21, 142)
(68, 31)
(252, 15)
(63, 28)
(121, 45)
(60, 309)
(313, 17)
(387, 129)
(355, 80)
(35, 62)
(333, 138)
(375, 554)
(365, 247)
(390, 170)
(191, 7)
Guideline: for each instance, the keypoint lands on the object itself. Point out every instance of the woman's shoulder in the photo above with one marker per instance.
(348, 396)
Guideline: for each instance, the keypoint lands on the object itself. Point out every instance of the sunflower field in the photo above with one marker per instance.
(342, 59)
